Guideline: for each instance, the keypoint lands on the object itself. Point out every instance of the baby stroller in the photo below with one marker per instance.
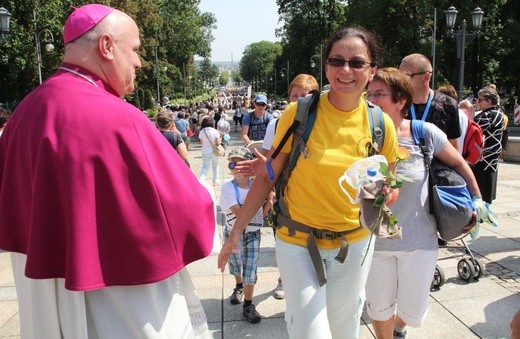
(469, 269)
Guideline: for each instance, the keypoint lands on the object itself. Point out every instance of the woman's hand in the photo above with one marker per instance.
(391, 194)
(251, 167)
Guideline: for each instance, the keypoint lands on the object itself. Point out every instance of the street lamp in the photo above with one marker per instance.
(462, 37)
(285, 75)
(434, 40)
(5, 18)
(49, 47)
(313, 64)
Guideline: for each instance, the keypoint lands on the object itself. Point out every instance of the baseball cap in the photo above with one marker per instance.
(83, 19)
(241, 153)
(261, 98)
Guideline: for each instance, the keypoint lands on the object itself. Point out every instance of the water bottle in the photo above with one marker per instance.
(361, 172)
(373, 175)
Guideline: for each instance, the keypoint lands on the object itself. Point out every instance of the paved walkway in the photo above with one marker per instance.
(459, 309)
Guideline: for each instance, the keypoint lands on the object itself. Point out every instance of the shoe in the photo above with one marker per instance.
(251, 314)
(278, 291)
(399, 335)
(237, 296)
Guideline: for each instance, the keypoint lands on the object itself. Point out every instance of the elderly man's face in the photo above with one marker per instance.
(126, 58)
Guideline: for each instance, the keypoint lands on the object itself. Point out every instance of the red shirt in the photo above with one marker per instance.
(93, 193)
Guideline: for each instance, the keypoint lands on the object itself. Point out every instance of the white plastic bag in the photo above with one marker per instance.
(355, 174)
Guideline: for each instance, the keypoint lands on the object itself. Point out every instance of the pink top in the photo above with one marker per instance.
(93, 193)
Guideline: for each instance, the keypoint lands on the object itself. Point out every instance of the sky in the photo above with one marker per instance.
(240, 23)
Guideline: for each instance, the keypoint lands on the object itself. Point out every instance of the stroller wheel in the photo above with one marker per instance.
(438, 279)
(466, 269)
(478, 268)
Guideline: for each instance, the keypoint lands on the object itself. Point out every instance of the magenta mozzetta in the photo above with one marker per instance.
(89, 191)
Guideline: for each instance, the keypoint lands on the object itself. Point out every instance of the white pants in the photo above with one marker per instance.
(333, 310)
(400, 281)
(167, 309)
(212, 160)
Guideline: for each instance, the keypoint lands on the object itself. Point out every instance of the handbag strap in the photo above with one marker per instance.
(418, 137)
(211, 143)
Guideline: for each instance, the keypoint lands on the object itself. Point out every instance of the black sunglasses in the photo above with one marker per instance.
(261, 104)
(232, 164)
(354, 63)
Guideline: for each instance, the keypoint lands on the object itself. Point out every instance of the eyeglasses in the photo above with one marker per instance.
(232, 165)
(418, 73)
(377, 95)
(354, 63)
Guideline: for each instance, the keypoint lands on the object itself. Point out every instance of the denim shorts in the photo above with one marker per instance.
(245, 261)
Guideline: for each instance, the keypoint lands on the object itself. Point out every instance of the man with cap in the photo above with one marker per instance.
(99, 238)
(255, 123)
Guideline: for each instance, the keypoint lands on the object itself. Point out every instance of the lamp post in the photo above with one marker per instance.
(5, 18)
(286, 75)
(463, 37)
(49, 47)
(434, 41)
(313, 64)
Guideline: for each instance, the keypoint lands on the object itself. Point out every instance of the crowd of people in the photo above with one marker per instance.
(108, 253)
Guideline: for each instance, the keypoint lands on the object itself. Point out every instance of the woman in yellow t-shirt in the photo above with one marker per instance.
(339, 137)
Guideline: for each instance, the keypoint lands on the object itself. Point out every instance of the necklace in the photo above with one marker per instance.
(71, 71)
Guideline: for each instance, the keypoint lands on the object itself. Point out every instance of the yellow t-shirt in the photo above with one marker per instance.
(313, 195)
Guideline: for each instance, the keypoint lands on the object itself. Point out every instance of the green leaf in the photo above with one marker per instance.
(392, 219)
(379, 201)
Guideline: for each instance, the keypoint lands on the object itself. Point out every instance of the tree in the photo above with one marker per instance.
(207, 71)
(237, 78)
(258, 59)
(175, 30)
(224, 78)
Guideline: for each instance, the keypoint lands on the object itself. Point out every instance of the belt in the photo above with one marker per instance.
(312, 246)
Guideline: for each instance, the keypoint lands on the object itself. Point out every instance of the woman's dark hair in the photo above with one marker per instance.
(207, 122)
(373, 46)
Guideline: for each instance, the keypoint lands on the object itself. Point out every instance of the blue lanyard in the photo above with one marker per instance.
(235, 185)
(426, 110)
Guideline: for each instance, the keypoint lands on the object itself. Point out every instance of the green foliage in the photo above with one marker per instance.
(258, 59)
(176, 28)
(401, 25)
(224, 78)
(149, 101)
(236, 76)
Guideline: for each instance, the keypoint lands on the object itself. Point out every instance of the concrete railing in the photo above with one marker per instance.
(513, 149)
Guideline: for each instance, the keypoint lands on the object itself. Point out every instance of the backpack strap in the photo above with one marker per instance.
(301, 130)
(250, 121)
(377, 127)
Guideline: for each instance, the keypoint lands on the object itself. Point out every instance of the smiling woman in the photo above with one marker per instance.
(316, 222)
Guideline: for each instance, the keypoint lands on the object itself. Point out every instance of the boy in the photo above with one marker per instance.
(244, 262)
